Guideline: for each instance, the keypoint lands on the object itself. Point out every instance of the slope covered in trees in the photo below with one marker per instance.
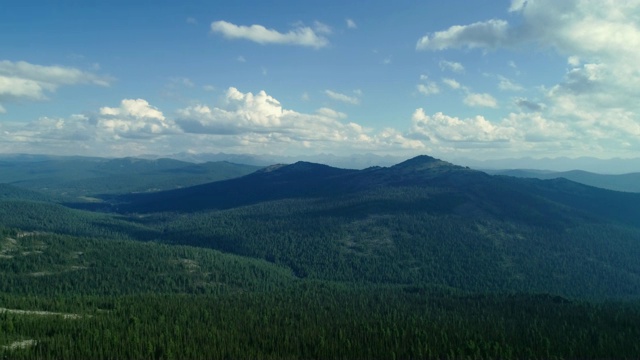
(424, 259)
(68, 297)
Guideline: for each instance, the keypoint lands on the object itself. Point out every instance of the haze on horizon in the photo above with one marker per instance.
(461, 79)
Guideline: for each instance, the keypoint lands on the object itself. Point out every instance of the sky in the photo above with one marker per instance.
(481, 79)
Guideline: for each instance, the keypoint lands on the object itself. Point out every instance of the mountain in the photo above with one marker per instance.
(422, 259)
(298, 180)
(622, 182)
(422, 221)
(456, 187)
(354, 161)
(558, 164)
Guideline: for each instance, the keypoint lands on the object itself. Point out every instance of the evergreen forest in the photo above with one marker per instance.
(421, 260)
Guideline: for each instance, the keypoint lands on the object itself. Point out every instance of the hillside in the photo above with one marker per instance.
(622, 182)
(423, 221)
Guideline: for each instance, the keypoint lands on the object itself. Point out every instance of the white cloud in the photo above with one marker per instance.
(597, 98)
(241, 59)
(481, 100)
(518, 133)
(208, 88)
(451, 83)
(573, 61)
(452, 66)
(330, 113)
(53, 75)
(343, 97)
(243, 123)
(487, 34)
(302, 36)
(22, 80)
(192, 21)
(444, 128)
(601, 38)
(134, 118)
(13, 87)
(429, 88)
(2, 109)
(258, 122)
(351, 24)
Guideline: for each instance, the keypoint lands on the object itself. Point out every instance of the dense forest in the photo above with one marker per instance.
(421, 260)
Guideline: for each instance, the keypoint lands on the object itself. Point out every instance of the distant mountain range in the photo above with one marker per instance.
(85, 176)
(362, 161)
(623, 182)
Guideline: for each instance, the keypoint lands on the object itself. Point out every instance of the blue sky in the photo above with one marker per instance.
(475, 79)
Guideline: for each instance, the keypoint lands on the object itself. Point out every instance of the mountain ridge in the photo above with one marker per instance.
(475, 188)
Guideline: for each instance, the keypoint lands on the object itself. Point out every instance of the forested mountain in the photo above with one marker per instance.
(423, 221)
(423, 259)
(622, 182)
(454, 190)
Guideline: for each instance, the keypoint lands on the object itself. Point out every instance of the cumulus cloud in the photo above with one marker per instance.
(351, 24)
(597, 98)
(444, 128)
(257, 113)
(519, 133)
(259, 121)
(24, 81)
(354, 100)
(428, 87)
(581, 28)
(301, 36)
(600, 38)
(134, 118)
(480, 100)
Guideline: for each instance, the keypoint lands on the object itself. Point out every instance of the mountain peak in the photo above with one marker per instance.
(423, 162)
